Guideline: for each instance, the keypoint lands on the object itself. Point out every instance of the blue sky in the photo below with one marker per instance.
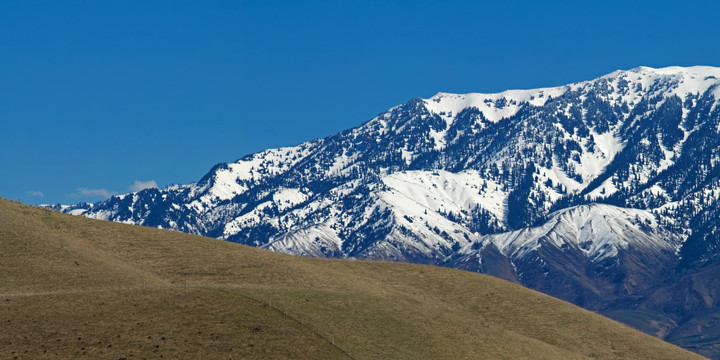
(102, 97)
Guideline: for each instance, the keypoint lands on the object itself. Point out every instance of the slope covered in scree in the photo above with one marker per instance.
(74, 287)
(429, 179)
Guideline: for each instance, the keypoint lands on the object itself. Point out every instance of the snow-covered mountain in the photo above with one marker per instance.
(595, 253)
(597, 192)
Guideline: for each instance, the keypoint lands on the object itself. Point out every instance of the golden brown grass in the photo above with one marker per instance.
(153, 323)
(68, 283)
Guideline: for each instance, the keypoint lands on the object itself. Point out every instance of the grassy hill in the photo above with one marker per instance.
(71, 287)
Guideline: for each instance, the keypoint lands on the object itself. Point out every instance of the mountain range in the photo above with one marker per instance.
(603, 193)
(73, 287)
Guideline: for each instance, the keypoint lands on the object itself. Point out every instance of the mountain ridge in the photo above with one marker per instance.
(427, 180)
(75, 287)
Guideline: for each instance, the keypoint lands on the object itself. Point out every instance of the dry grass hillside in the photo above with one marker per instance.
(71, 287)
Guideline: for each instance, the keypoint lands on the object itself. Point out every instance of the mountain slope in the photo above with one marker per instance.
(115, 290)
(456, 176)
(622, 138)
(590, 255)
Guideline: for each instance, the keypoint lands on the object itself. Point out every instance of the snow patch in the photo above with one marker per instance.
(494, 107)
(599, 231)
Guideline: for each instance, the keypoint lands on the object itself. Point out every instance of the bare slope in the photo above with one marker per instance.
(71, 286)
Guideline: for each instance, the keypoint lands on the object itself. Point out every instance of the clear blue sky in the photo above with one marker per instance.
(96, 95)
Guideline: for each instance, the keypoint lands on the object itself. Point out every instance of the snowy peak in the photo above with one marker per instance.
(601, 230)
(639, 81)
(494, 107)
(691, 72)
(621, 91)
(630, 85)
(598, 231)
(600, 138)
